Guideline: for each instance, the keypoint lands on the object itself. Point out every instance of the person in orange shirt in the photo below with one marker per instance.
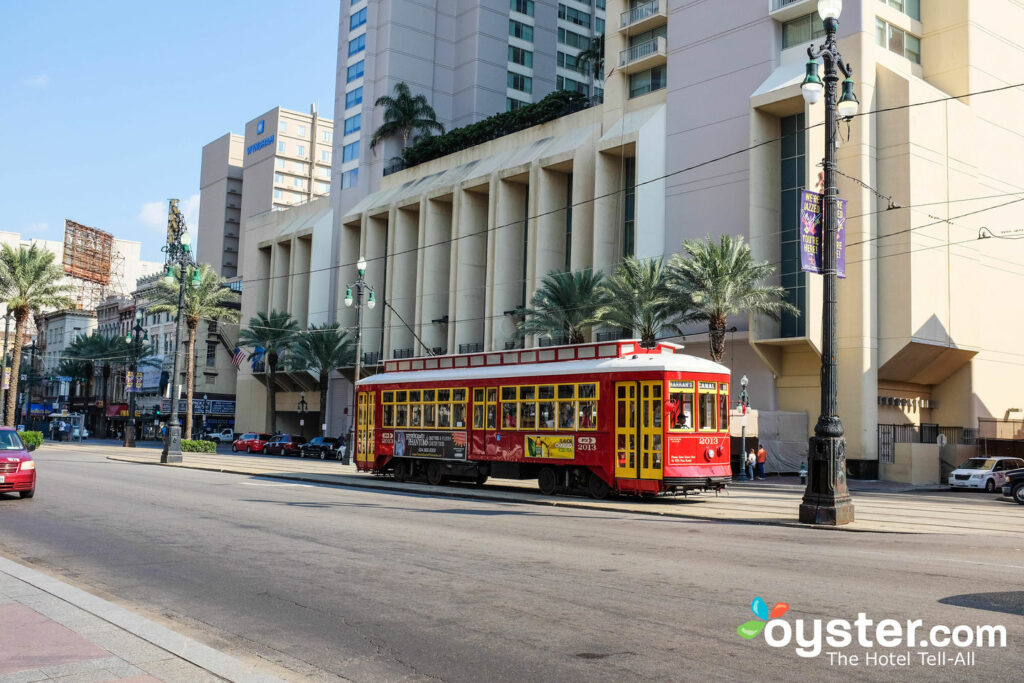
(762, 456)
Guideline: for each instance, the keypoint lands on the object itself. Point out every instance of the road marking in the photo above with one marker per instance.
(260, 483)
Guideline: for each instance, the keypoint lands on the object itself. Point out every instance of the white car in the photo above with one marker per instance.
(983, 473)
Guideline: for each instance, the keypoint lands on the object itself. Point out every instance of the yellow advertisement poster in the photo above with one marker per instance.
(548, 446)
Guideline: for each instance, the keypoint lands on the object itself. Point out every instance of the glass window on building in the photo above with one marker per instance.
(522, 6)
(573, 15)
(277, 194)
(802, 30)
(302, 131)
(326, 136)
(573, 39)
(511, 104)
(357, 44)
(353, 97)
(355, 71)
(349, 178)
(353, 123)
(521, 56)
(912, 8)
(647, 81)
(279, 163)
(564, 83)
(357, 19)
(278, 178)
(518, 29)
(629, 212)
(571, 62)
(520, 82)
(793, 180)
(302, 150)
(282, 147)
(350, 152)
(897, 40)
(297, 182)
(283, 126)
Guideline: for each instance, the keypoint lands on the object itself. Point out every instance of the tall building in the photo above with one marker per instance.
(704, 132)
(283, 160)
(471, 59)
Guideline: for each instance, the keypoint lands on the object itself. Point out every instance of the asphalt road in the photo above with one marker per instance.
(335, 583)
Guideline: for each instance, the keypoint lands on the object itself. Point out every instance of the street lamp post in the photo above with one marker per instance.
(827, 498)
(359, 285)
(178, 252)
(301, 409)
(6, 387)
(744, 402)
(136, 337)
(206, 409)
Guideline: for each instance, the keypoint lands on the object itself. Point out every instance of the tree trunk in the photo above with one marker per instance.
(190, 378)
(20, 317)
(272, 364)
(406, 132)
(323, 403)
(717, 337)
(103, 411)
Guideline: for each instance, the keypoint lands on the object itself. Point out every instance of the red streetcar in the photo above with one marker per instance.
(610, 416)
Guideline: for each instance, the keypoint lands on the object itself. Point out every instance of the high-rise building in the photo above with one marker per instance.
(283, 160)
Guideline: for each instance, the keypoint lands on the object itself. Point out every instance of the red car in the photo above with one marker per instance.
(17, 468)
(250, 442)
(284, 444)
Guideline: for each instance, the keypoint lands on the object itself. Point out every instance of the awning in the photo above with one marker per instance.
(116, 409)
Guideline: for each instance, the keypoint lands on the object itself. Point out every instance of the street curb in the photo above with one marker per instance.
(189, 649)
(470, 495)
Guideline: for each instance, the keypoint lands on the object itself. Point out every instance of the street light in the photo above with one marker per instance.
(6, 386)
(827, 498)
(359, 285)
(744, 402)
(178, 252)
(137, 339)
(301, 410)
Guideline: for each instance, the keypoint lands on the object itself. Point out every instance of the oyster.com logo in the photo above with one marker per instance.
(759, 607)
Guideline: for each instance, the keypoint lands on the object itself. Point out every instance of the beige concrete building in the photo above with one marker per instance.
(220, 204)
(704, 132)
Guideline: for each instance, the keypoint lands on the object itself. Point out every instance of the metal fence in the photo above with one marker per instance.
(889, 435)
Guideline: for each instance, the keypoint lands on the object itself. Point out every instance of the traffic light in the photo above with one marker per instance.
(158, 410)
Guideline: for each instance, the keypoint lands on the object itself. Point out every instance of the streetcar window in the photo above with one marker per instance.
(546, 406)
(723, 407)
(459, 414)
(400, 397)
(527, 393)
(492, 408)
(444, 415)
(566, 391)
(444, 395)
(478, 415)
(708, 412)
(478, 395)
(588, 414)
(508, 394)
(679, 406)
(414, 397)
(508, 415)
(428, 415)
(387, 397)
(567, 415)
(389, 415)
(588, 391)
(415, 413)
(528, 414)
(401, 414)
(428, 395)
(459, 395)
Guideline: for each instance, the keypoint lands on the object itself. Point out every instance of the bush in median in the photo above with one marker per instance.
(32, 438)
(191, 446)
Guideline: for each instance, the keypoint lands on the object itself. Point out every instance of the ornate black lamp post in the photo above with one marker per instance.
(302, 409)
(178, 257)
(744, 403)
(827, 499)
(359, 285)
(6, 387)
(137, 337)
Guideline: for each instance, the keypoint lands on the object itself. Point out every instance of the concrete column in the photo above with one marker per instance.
(506, 259)
(582, 250)
(280, 269)
(374, 244)
(434, 272)
(469, 272)
(302, 253)
(608, 203)
(402, 276)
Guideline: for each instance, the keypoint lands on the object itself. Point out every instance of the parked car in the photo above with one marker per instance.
(1013, 485)
(322, 447)
(983, 473)
(284, 444)
(250, 442)
(223, 436)
(17, 468)
(75, 432)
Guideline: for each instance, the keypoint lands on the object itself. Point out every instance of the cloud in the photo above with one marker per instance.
(40, 81)
(153, 215)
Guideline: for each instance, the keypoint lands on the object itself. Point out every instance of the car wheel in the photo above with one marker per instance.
(248, 449)
(1018, 493)
(265, 451)
(323, 455)
(234, 448)
(990, 486)
(28, 494)
(547, 481)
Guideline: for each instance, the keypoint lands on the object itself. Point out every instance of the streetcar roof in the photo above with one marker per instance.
(640, 362)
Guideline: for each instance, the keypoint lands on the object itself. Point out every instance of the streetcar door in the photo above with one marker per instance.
(365, 409)
(625, 430)
(651, 438)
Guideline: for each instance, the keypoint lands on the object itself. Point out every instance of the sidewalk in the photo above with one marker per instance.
(761, 502)
(53, 631)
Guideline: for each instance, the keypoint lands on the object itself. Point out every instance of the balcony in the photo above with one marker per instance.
(645, 17)
(643, 56)
(784, 10)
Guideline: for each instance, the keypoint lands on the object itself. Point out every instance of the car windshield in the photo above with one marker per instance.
(10, 441)
(978, 464)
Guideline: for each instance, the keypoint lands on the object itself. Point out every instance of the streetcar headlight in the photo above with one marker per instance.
(709, 454)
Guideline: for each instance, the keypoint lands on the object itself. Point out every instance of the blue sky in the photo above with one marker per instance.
(105, 105)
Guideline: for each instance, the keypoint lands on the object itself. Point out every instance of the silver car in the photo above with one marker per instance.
(983, 473)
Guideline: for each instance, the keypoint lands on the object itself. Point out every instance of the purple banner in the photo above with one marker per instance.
(812, 257)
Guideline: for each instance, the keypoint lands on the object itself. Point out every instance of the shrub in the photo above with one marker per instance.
(193, 446)
(32, 438)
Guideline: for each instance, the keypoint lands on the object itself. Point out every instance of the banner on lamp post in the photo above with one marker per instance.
(7, 379)
(812, 256)
(129, 381)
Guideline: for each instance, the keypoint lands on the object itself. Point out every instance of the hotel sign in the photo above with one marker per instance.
(259, 144)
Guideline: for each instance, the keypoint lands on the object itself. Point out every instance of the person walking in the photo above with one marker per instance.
(750, 460)
(762, 456)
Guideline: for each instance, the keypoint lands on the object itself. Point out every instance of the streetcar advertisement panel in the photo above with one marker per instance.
(549, 446)
(445, 445)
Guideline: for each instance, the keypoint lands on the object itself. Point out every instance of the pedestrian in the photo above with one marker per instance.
(762, 456)
(751, 459)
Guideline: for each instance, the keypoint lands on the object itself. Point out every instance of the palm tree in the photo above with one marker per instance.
(91, 351)
(565, 305)
(207, 298)
(78, 371)
(270, 336)
(636, 299)
(30, 280)
(594, 56)
(320, 350)
(404, 114)
(712, 281)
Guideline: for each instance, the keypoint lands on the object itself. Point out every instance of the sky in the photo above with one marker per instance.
(105, 105)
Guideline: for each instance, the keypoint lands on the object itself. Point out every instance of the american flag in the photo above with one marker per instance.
(237, 359)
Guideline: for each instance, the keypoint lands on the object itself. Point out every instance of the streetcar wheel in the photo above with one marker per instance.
(547, 481)
(434, 476)
(597, 488)
(481, 478)
(400, 473)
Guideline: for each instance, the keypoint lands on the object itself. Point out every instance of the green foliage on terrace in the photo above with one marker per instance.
(555, 105)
